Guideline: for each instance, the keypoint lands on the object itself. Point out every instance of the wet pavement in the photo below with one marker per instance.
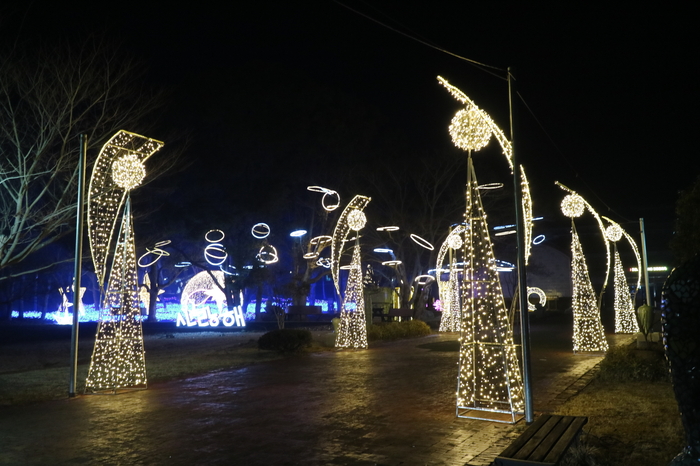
(393, 404)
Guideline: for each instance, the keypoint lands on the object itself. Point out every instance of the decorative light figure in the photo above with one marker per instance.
(357, 220)
(489, 374)
(539, 293)
(340, 234)
(260, 230)
(449, 290)
(422, 242)
(625, 316)
(352, 329)
(573, 205)
(118, 360)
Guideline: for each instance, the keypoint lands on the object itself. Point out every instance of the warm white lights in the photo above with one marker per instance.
(613, 232)
(471, 129)
(573, 205)
(421, 242)
(537, 291)
(352, 329)
(340, 233)
(128, 171)
(357, 220)
(203, 303)
(260, 230)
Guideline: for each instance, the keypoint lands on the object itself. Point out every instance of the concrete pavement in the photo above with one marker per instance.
(393, 404)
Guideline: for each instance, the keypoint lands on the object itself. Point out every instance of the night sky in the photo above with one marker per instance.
(273, 96)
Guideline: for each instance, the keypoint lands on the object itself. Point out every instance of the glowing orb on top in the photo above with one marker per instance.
(613, 232)
(357, 220)
(471, 129)
(128, 171)
(573, 205)
(454, 241)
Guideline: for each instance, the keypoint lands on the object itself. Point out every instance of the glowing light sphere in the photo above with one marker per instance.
(357, 220)
(260, 230)
(471, 129)
(454, 241)
(573, 205)
(538, 291)
(613, 232)
(128, 171)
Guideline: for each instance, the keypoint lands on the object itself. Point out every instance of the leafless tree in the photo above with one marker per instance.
(47, 98)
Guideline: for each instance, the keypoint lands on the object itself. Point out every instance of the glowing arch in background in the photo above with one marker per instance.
(105, 198)
(507, 149)
(340, 234)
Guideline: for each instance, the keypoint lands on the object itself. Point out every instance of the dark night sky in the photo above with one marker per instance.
(613, 88)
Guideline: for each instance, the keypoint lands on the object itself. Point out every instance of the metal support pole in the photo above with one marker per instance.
(645, 267)
(522, 275)
(78, 265)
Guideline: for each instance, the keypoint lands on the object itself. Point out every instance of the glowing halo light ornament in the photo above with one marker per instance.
(267, 254)
(423, 280)
(392, 263)
(388, 228)
(538, 240)
(421, 242)
(260, 230)
(214, 236)
(118, 358)
(157, 253)
(538, 291)
(215, 254)
(330, 200)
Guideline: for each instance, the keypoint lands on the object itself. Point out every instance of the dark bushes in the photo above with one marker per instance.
(286, 340)
(624, 363)
(397, 330)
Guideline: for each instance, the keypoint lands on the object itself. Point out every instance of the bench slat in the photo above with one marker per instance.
(536, 439)
(565, 441)
(546, 445)
(525, 436)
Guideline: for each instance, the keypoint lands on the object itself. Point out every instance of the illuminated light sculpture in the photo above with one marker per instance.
(260, 230)
(215, 254)
(199, 294)
(449, 290)
(588, 329)
(392, 263)
(340, 234)
(421, 242)
(145, 295)
(63, 317)
(118, 360)
(330, 200)
(388, 228)
(352, 329)
(214, 236)
(625, 316)
(489, 385)
(157, 253)
(539, 293)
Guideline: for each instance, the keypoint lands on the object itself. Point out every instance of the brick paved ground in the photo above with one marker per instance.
(390, 405)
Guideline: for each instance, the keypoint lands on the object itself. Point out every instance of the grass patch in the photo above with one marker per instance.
(633, 415)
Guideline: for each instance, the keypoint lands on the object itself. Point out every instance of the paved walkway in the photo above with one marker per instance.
(390, 405)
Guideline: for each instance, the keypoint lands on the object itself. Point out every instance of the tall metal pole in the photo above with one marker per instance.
(78, 265)
(522, 275)
(645, 267)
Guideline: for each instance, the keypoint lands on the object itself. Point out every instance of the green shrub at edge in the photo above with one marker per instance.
(286, 340)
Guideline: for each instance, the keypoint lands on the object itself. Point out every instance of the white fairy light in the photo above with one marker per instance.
(128, 171)
(388, 228)
(267, 254)
(573, 205)
(214, 236)
(352, 329)
(537, 291)
(215, 254)
(625, 316)
(340, 234)
(357, 220)
(613, 232)
(454, 241)
(156, 254)
(260, 230)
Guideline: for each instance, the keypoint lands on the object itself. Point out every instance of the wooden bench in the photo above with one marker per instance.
(543, 442)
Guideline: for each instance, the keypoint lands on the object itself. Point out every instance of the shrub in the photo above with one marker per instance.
(623, 363)
(286, 340)
(397, 330)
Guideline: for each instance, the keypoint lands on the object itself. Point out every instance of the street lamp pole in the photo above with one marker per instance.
(522, 275)
(78, 264)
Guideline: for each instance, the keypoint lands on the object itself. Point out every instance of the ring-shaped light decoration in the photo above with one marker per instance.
(393, 263)
(267, 254)
(330, 201)
(310, 256)
(573, 205)
(421, 242)
(229, 270)
(215, 254)
(214, 236)
(324, 262)
(157, 253)
(357, 220)
(260, 230)
(128, 171)
(183, 264)
(318, 189)
(346, 267)
(321, 241)
(613, 232)
(489, 186)
(538, 292)
(423, 280)
(538, 239)
(388, 228)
